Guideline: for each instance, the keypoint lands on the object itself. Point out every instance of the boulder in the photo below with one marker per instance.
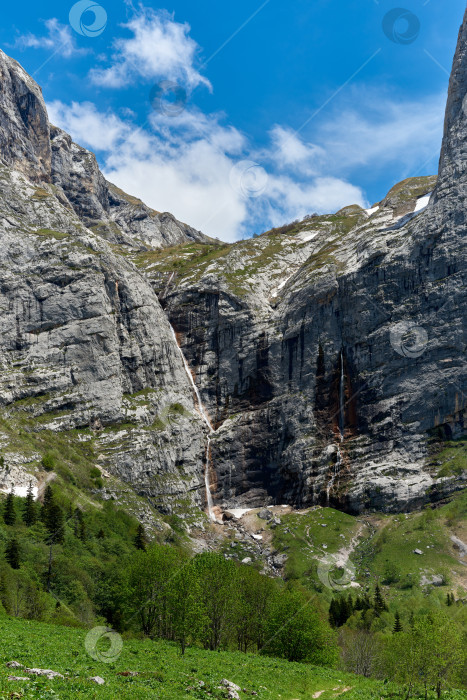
(232, 689)
(98, 680)
(265, 514)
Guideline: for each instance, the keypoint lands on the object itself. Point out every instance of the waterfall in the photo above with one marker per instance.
(205, 417)
(342, 399)
(336, 470)
(338, 463)
(168, 284)
(206, 481)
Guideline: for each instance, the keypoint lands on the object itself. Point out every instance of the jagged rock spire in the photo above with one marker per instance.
(453, 161)
(24, 124)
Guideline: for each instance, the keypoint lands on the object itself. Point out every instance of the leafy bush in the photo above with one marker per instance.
(49, 462)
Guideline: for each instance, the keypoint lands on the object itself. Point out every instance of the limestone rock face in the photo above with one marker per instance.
(329, 355)
(112, 213)
(368, 306)
(24, 125)
(452, 168)
(85, 347)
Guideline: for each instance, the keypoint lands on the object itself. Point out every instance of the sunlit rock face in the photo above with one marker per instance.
(268, 323)
(329, 355)
(85, 346)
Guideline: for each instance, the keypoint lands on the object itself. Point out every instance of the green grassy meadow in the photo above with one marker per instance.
(162, 671)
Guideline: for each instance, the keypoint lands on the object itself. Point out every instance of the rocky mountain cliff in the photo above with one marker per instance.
(329, 355)
(47, 155)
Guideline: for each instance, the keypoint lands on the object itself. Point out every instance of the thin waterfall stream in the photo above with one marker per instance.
(211, 430)
(338, 463)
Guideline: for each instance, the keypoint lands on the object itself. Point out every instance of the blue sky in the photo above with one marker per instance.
(240, 116)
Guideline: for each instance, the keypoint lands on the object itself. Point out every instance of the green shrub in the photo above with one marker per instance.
(49, 462)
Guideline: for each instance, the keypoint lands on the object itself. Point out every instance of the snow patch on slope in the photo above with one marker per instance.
(422, 202)
(21, 491)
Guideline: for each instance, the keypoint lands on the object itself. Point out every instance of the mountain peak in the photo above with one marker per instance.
(44, 153)
(24, 123)
(453, 160)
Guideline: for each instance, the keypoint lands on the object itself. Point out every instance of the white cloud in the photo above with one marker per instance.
(99, 131)
(184, 166)
(159, 48)
(186, 173)
(381, 132)
(290, 150)
(59, 39)
(183, 163)
(290, 200)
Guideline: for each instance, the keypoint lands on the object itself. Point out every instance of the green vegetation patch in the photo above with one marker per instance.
(411, 188)
(451, 460)
(161, 671)
(308, 537)
(182, 259)
(41, 194)
(50, 233)
(391, 554)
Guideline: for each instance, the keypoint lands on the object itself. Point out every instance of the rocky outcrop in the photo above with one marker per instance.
(24, 124)
(114, 215)
(329, 355)
(365, 305)
(452, 168)
(84, 344)
(46, 154)
(85, 347)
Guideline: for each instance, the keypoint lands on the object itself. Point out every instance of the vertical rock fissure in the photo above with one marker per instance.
(342, 398)
(205, 417)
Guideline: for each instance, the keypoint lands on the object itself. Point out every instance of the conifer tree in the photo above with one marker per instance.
(9, 513)
(80, 525)
(379, 604)
(344, 613)
(358, 604)
(334, 613)
(397, 624)
(12, 554)
(29, 512)
(52, 516)
(47, 500)
(140, 539)
(340, 610)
